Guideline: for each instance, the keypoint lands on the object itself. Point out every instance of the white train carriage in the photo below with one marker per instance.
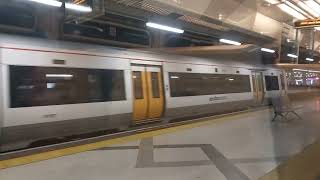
(53, 89)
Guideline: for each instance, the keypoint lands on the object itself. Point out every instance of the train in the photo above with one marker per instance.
(53, 88)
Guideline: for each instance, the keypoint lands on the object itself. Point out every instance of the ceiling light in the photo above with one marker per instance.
(268, 50)
(300, 70)
(309, 59)
(291, 11)
(77, 7)
(313, 5)
(48, 2)
(59, 75)
(305, 70)
(315, 71)
(292, 55)
(297, 9)
(272, 1)
(308, 9)
(230, 42)
(174, 77)
(163, 27)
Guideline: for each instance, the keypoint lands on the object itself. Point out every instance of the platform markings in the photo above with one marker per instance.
(233, 160)
(146, 153)
(146, 156)
(226, 167)
(107, 143)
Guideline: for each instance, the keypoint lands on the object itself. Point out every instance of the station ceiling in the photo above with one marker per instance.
(218, 9)
(244, 16)
(247, 21)
(228, 15)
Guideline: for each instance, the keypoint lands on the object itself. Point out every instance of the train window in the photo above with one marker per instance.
(43, 86)
(195, 84)
(137, 83)
(272, 83)
(155, 85)
(17, 16)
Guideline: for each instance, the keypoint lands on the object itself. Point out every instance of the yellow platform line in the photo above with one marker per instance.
(92, 146)
(303, 166)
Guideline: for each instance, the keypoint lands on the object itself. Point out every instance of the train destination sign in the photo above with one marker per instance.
(307, 23)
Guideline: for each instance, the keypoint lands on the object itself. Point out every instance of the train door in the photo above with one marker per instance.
(148, 93)
(258, 87)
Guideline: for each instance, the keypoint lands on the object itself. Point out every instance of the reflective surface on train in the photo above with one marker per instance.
(52, 90)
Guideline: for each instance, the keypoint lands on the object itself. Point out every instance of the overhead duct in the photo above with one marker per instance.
(165, 9)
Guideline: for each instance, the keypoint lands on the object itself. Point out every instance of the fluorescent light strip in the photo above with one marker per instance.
(174, 77)
(305, 70)
(292, 55)
(313, 5)
(71, 6)
(291, 11)
(309, 59)
(59, 75)
(163, 27)
(308, 9)
(77, 7)
(230, 42)
(297, 9)
(273, 1)
(48, 2)
(268, 50)
(315, 71)
(300, 70)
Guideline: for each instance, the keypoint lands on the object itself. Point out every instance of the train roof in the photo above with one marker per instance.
(247, 56)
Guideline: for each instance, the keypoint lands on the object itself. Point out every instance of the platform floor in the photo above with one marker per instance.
(241, 147)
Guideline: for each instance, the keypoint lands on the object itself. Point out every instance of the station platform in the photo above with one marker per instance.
(240, 146)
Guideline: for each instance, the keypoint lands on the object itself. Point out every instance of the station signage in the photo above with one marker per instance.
(307, 23)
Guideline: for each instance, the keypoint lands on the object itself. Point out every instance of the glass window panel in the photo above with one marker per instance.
(195, 84)
(17, 16)
(43, 86)
(137, 83)
(272, 83)
(155, 85)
